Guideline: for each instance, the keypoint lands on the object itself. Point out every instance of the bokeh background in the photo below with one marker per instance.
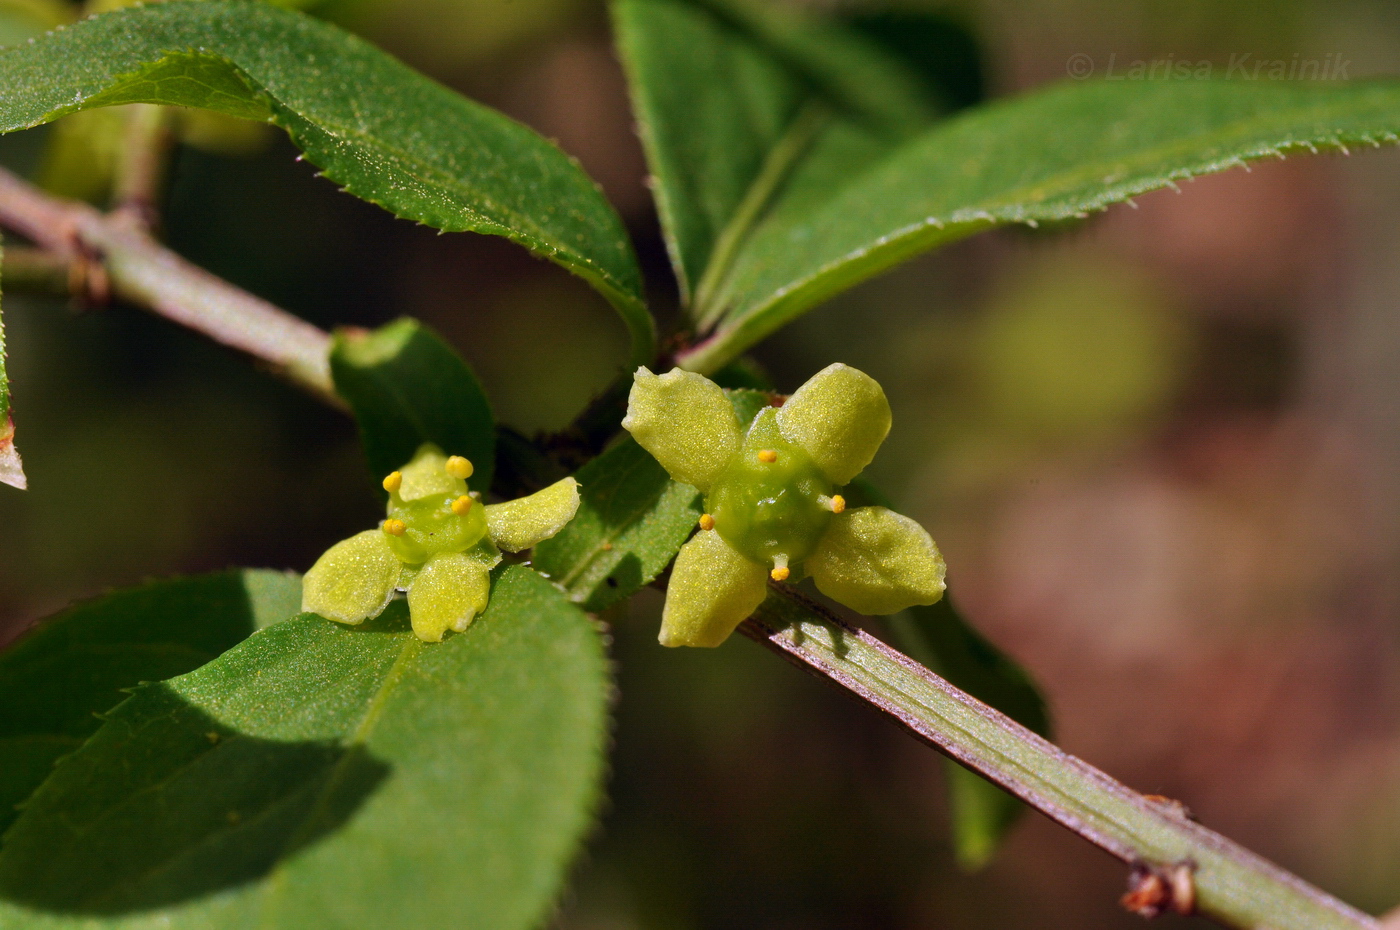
(1160, 450)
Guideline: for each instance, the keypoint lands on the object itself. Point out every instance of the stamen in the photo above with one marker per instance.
(393, 527)
(707, 522)
(780, 570)
(393, 482)
(835, 503)
(459, 467)
(767, 455)
(462, 505)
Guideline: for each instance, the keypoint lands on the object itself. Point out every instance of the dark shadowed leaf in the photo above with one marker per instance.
(941, 639)
(373, 125)
(936, 45)
(407, 387)
(76, 664)
(333, 777)
(1050, 155)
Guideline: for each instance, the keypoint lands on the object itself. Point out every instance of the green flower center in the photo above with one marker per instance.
(431, 526)
(772, 502)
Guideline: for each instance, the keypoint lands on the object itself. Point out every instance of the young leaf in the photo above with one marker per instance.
(78, 663)
(330, 777)
(11, 468)
(376, 127)
(941, 639)
(631, 522)
(1050, 155)
(407, 387)
(729, 96)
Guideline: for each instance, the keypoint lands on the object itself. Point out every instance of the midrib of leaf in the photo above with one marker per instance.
(709, 296)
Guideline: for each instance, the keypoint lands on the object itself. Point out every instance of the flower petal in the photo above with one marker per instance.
(427, 475)
(353, 580)
(450, 590)
(840, 416)
(876, 561)
(712, 590)
(685, 421)
(519, 524)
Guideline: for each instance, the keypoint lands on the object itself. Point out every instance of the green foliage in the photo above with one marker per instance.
(398, 140)
(408, 387)
(331, 777)
(631, 522)
(312, 774)
(773, 203)
(721, 93)
(78, 663)
(940, 638)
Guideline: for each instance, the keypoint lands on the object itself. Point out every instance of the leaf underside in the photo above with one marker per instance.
(373, 125)
(1057, 154)
(327, 776)
(406, 387)
(853, 198)
(78, 663)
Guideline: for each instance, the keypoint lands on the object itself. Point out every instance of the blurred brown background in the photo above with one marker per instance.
(1159, 451)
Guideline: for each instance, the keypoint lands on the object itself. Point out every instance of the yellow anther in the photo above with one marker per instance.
(462, 505)
(838, 503)
(459, 467)
(393, 527)
(780, 570)
(394, 481)
(707, 522)
(767, 455)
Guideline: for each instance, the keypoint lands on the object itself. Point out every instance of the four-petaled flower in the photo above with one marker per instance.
(438, 543)
(771, 507)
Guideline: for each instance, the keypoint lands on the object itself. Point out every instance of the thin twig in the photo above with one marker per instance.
(146, 273)
(1199, 869)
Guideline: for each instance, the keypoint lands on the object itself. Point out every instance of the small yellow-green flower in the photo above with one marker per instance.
(438, 543)
(771, 504)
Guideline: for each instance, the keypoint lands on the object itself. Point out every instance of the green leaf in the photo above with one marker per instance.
(373, 125)
(407, 387)
(78, 663)
(325, 776)
(1051, 155)
(941, 639)
(729, 96)
(11, 468)
(632, 520)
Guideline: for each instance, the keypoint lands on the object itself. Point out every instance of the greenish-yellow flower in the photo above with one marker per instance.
(437, 542)
(772, 510)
